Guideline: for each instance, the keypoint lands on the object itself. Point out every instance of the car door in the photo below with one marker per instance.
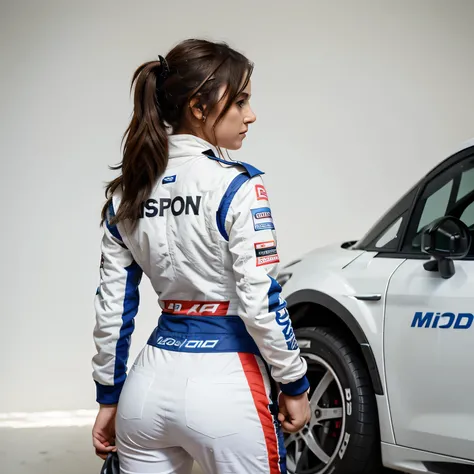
(429, 328)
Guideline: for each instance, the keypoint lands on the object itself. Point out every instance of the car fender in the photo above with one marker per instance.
(355, 293)
(322, 299)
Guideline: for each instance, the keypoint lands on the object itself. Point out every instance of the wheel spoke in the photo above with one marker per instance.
(292, 438)
(320, 389)
(330, 413)
(296, 453)
(290, 464)
(314, 422)
(323, 435)
(313, 445)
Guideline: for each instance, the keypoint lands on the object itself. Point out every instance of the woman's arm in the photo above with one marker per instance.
(116, 305)
(253, 244)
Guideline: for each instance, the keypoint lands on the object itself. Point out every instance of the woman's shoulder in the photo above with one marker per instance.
(228, 169)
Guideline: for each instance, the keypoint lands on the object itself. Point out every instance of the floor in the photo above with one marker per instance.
(49, 451)
(53, 450)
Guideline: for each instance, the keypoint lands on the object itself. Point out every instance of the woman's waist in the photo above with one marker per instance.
(202, 334)
(200, 305)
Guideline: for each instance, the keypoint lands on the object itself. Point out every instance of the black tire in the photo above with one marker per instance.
(351, 442)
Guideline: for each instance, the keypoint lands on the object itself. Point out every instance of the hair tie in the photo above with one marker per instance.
(164, 69)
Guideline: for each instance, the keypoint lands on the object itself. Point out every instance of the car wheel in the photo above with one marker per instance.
(342, 436)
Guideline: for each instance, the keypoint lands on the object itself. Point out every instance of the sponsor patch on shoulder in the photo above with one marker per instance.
(261, 192)
(169, 179)
(262, 218)
(266, 253)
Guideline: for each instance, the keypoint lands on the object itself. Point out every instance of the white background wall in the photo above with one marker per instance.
(342, 90)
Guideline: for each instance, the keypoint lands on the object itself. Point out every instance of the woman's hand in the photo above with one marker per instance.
(103, 433)
(294, 412)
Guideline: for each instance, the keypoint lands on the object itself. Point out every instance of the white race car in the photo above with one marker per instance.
(386, 324)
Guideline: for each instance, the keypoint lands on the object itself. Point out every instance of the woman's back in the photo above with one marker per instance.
(201, 229)
(177, 241)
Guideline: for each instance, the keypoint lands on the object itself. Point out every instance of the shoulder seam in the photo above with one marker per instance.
(249, 169)
(226, 201)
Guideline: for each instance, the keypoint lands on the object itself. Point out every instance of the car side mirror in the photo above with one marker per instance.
(446, 239)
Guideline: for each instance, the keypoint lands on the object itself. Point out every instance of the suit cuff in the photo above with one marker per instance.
(108, 394)
(295, 388)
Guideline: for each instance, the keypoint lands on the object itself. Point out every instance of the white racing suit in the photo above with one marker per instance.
(200, 389)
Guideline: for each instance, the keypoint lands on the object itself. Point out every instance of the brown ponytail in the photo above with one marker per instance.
(163, 91)
(145, 155)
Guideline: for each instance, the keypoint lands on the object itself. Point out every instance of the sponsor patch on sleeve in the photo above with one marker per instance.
(262, 218)
(261, 192)
(266, 253)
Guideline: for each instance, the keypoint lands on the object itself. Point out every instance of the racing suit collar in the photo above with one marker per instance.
(183, 145)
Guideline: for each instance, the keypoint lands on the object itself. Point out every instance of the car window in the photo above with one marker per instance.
(389, 238)
(450, 193)
(467, 183)
(468, 215)
(436, 205)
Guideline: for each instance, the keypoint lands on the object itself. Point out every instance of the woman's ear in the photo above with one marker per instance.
(197, 109)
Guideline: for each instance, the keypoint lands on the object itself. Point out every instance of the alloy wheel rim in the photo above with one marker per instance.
(311, 441)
